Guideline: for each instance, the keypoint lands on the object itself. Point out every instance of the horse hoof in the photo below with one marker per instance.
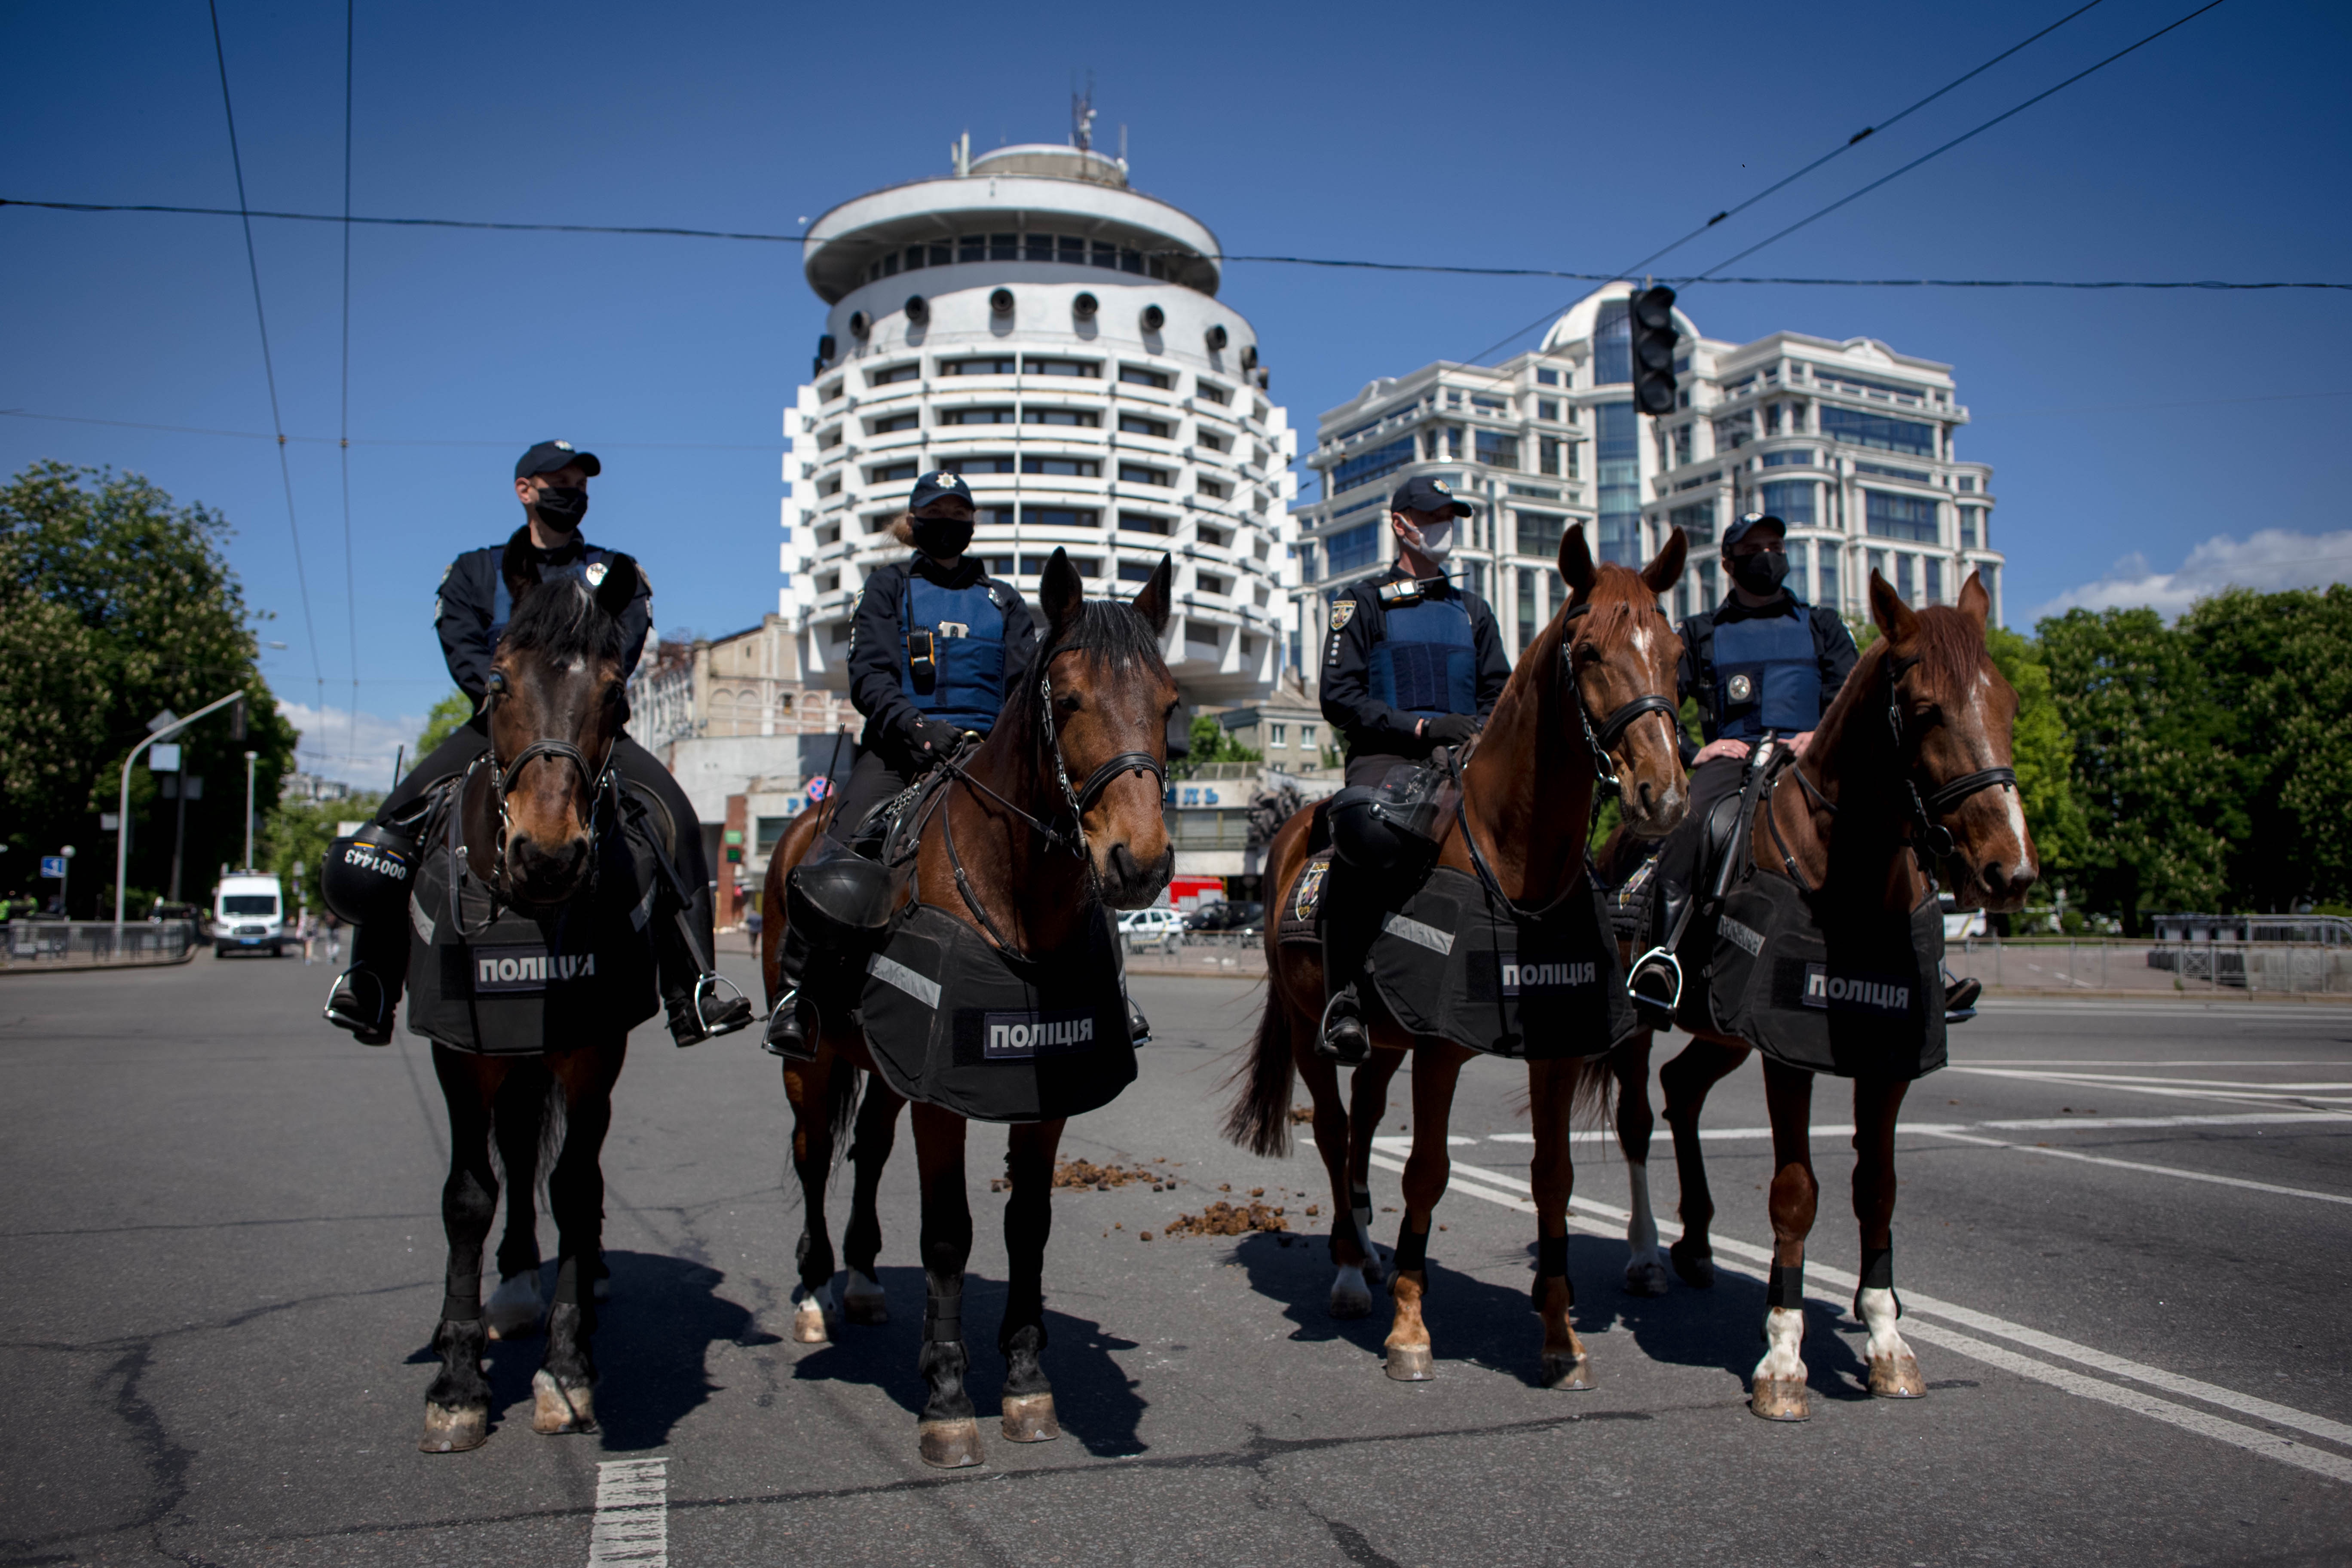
(1645, 1277)
(453, 1429)
(512, 1312)
(1781, 1399)
(1564, 1370)
(1028, 1418)
(1896, 1377)
(948, 1445)
(1695, 1265)
(863, 1301)
(809, 1326)
(555, 1408)
(1410, 1364)
(1350, 1295)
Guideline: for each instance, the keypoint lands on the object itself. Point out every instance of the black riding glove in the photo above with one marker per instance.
(1450, 729)
(935, 736)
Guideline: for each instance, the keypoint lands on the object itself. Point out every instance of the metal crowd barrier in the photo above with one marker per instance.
(2116, 964)
(87, 944)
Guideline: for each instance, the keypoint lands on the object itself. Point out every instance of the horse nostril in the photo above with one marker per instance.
(1649, 793)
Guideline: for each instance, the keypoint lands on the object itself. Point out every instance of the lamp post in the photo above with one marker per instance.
(122, 834)
(248, 808)
(65, 907)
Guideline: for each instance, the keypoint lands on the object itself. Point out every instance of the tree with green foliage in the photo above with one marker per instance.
(2042, 748)
(294, 841)
(1211, 742)
(115, 603)
(449, 716)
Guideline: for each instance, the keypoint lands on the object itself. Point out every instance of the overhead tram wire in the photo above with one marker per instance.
(269, 371)
(1996, 120)
(344, 435)
(508, 444)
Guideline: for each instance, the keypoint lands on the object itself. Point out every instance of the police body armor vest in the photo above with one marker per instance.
(954, 669)
(502, 602)
(1426, 662)
(1765, 676)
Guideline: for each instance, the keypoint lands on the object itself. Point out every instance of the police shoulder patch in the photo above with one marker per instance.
(595, 574)
(1341, 612)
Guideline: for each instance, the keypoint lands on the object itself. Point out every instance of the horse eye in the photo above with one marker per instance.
(496, 684)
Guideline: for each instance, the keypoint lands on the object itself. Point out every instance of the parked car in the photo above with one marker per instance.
(1160, 927)
(249, 915)
(1959, 923)
(1240, 915)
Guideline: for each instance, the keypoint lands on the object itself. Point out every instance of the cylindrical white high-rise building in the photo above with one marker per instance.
(1034, 324)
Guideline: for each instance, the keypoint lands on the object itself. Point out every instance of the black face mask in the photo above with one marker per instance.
(1760, 572)
(561, 506)
(942, 537)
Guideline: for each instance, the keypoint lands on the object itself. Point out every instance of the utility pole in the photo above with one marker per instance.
(248, 808)
(179, 831)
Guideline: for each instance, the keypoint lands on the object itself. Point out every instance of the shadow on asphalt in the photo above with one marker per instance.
(1722, 1327)
(1093, 1396)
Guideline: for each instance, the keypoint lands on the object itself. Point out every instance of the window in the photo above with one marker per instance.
(890, 473)
(1137, 474)
(907, 421)
(976, 416)
(1682, 445)
(1788, 459)
(1212, 440)
(1917, 476)
(1830, 591)
(986, 463)
(880, 521)
(1083, 418)
(1063, 467)
(1967, 482)
(1527, 606)
(1081, 367)
(1136, 376)
(1492, 404)
(1277, 734)
(1306, 736)
(1366, 468)
(1547, 408)
(1035, 565)
(1547, 378)
(1971, 527)
(1620, 476)
(1216, 538)
(1453, 397)
(996, 366)
(1546, 455)
(913, 369)
(1734, 433)
(1800, 554)
(1497, 450)
(828, 439)
(1210, 583)
(1790, 500)
(1935, 584)
(1137, 425)
(1060, 516)
(1216, 489)
(828, 392)
(1878, 562)
(1143, 523)
(1905, 578)
(1537, 533)
(1612, 344)
(1858, 429)
(1891, 516)
(1137, 571)
(1989, 574)
(1696, 521)
(1352, 548)
(1212, 392)
(993, 516)
(767, 830)
(1771, 419)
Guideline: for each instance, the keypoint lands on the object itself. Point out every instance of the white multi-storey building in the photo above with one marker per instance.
(1850, 443)
(1031, 322)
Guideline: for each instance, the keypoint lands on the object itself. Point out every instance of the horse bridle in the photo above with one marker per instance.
(1613, 729)
(1931, 840)
(502, 783)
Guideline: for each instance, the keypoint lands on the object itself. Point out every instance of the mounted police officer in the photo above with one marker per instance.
(1762, 661)
(550, 481)
(1412, 663)
(934, 644)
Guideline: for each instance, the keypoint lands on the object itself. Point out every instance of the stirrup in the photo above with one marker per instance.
(377, 1029)
(1655, 986)
(1323, 1046)
(776, 1038)
(1960, 999)
(1139, 1028)
(721, 1018)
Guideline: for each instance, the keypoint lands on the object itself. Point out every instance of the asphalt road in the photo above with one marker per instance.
(222, 1257)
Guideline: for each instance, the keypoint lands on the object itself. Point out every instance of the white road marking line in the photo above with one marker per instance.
(1845, 1129)
(631, 1523)
(2094, 1080)
(1499, 1187)
(2134, 1165)
(2061, 1074)
(2055, 1063)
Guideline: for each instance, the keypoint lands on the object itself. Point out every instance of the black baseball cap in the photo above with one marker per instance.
(942, 486)
(1425, 493)
(1738, 530)
(550, 455)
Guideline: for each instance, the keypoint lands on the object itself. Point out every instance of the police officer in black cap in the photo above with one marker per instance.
(1412, 663)
(550, 481)
(1762, 659)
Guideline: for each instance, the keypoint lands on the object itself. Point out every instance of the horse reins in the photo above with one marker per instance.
(598, 777)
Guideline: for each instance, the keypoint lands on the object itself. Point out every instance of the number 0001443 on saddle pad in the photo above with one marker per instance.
(1456, 964)
(954, 1021)
(1865, 1003)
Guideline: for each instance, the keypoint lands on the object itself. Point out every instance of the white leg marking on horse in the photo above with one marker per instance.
(514, 1306)
(1878, 1311)
(812, 1318)
(1646, 1267)
(631, 1523)
(1784, 1337)
(1351, 1297)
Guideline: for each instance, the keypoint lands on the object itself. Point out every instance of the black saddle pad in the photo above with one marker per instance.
(1302, 903)
(1860, 999)
(1456, 964)
(954, 1021)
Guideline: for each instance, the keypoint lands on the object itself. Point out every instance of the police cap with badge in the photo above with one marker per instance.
(942, 486)
(1423, 493)
(547, 456)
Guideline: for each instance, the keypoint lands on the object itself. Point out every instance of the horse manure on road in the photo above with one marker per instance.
(1222, 1218)
(1085, 1175)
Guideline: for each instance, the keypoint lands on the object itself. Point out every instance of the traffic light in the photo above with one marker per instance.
(1654, 349)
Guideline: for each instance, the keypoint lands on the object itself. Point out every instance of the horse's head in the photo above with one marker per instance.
(557, 703)
(1111, 698)
(1951, 713)
(1622, 653)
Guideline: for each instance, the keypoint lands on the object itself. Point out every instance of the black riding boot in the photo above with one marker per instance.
(1655, 981)
(1350, 917)
(794, 1026)
(700, 1003)
(367, 995)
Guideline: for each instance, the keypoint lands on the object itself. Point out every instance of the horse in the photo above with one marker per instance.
(1025, 860)
(1591, 698)
(533, 820)
(1915, 746)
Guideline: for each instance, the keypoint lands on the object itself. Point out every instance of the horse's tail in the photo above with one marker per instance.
(1591, 1090)
(529, 1109)
(1259, 1119)
(841, 1103)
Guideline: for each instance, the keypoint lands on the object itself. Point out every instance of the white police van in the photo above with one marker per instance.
(249, 915)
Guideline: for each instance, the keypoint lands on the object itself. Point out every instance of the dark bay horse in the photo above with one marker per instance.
(1924, 709)
(1075, 762)
(1594, 689)
(530, 816)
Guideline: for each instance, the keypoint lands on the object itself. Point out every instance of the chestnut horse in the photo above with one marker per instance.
(1093, 707)
(1924, 709)
(1592, 693)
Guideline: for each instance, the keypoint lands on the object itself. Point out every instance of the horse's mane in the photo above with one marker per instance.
(562, 619)
(1114, 632)
(1946, 642)
(1537, 660)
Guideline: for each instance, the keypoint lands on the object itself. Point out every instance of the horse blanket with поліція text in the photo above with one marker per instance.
(1858, 999)
(955, 1021)
(1460, 964)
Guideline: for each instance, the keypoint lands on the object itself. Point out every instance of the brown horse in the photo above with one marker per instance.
(1093, 707)
(530, 816)
(1925, 711)
(1526, 796)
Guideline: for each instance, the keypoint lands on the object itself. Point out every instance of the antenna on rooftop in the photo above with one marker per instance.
(1082, 115)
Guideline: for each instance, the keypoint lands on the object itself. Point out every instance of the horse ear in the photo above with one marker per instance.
(1975, 602)
(1061, 592)
(516, 565)
(1575, 561)
(1667, 570)
(1151, 604)
(619, 587)
(1894, 617)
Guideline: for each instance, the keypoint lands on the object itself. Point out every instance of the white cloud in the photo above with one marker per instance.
(2274, 559)
(332, 749)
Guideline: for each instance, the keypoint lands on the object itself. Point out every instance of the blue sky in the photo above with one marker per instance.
(2147, 445)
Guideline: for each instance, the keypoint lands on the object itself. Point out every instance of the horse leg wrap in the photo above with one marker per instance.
(943, 1315)
(1787, 1288)
(461, 1298)
(1877, 1274)
(1412, 1247)
(1551, 1263)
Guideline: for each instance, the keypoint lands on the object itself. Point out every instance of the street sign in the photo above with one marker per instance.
(161, 721)
(163, 756)
(108, 822)
(53, 866)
